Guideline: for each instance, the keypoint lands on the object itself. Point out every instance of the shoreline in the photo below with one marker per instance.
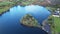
(27, 26)
(32, 27)
(5, 9)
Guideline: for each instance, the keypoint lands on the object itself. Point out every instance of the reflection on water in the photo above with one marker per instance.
(10, 22)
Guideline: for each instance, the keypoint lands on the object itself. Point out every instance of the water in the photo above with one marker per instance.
(10, 22)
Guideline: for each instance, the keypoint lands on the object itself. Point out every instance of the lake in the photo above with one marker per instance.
(10, 22)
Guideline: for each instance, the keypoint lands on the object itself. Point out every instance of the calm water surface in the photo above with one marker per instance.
(10, 22)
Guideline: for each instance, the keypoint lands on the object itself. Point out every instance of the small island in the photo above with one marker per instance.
(30, 21)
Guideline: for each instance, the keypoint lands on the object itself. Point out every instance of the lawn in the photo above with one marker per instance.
(57, 24)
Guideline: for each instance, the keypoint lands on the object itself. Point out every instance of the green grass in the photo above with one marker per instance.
(4, 9)
(57, 24)
(4, 6)
(5, 3)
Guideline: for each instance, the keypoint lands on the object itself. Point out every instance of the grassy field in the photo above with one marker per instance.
(57, 24)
